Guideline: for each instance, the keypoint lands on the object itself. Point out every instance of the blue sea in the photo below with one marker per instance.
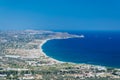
(97, 48)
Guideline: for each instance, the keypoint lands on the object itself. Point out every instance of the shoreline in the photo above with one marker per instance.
(52, 59)
(43, 53)
(57, 61)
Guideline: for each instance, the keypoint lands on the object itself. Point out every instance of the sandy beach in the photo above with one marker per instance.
(42, 53)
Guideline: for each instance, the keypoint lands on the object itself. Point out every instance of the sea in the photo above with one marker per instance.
(96, 48)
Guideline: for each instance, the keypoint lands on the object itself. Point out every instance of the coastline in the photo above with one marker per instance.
(54, 61)
(44, 54)
(57, 61)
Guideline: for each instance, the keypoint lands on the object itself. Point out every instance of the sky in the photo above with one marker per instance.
(60, 14)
